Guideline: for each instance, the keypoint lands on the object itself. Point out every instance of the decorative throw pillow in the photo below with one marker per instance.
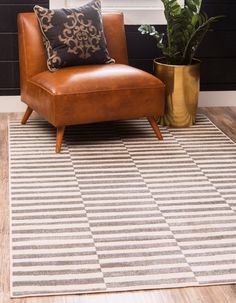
(73, 36)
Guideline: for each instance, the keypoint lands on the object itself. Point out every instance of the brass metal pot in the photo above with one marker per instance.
(182, 91)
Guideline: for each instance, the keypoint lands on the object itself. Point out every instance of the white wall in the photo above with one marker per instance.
(135, 11)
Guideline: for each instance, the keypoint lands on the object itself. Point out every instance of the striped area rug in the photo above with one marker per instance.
(119, 210)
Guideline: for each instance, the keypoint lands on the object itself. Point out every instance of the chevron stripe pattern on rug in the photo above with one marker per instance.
(119, 210)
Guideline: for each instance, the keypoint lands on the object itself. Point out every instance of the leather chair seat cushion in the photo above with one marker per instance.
(95, 78)
(84, 94)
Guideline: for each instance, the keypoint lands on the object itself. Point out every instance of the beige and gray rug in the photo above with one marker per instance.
(119, 210)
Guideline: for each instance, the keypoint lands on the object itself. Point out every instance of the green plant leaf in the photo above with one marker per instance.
(195, 19)
(186, 27)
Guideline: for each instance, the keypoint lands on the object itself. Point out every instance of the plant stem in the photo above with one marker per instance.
(168, 30)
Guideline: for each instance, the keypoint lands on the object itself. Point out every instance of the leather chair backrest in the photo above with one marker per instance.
(31, 50)
(115, 34)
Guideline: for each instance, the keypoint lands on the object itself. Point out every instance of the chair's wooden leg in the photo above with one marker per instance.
(26, 115)
(60, 134)
(155, 127)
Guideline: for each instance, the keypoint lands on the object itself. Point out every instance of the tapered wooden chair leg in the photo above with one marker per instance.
(60, 134)
(26, 115)
(155, 127)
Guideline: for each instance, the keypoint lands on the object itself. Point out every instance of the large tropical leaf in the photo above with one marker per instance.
(197, 36)
(186, 27)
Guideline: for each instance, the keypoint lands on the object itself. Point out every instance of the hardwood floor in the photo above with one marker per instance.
(225, 119)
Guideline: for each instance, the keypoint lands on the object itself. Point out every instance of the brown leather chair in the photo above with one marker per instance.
(86, 94)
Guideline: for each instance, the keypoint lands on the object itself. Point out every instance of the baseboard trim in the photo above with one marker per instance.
(217, 98)
(10, 104)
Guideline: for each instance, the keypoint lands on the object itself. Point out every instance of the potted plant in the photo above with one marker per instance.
(178, 69)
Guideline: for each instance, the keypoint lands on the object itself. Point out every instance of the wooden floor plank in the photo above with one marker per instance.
(223, 118)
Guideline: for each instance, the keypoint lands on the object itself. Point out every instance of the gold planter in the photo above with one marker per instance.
(182, 91)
